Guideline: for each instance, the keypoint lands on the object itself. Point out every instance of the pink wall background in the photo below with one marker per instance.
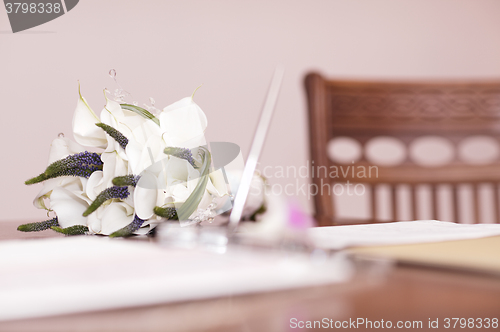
(165, 49)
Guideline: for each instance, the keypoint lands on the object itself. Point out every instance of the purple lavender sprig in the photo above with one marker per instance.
(169, 213)
(129, 229)
(81, 164)
(126, 180)
(181, 153)
(119, 137)
(106, 194)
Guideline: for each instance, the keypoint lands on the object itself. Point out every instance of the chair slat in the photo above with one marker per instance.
(434, 201)
(414, 208)
(394, 202)
(455, 204)
(373, 198)
(475, 202)
(496, 206)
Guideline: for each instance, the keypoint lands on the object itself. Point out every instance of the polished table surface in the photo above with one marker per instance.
(389, 293)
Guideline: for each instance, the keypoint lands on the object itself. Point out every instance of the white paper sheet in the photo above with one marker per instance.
(65, 275)
(402, 232)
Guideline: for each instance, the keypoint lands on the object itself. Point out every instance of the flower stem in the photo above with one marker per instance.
(106, 194)
(38, 226)
(72, 230)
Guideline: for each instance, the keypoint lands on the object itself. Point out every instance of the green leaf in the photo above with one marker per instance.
(38, 226)
(73, 230)
(141, 111)
(191, 204)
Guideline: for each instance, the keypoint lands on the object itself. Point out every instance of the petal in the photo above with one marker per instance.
(114, 146)
(134, 153)
(143, 230)
(180, 170)
(68, 207)
(256, 193)
(94, 181)
(115, 216)
(63, 147)
(218, 183)
(48, 186)
(179, 193)
(112, 112)
(206, 200)
(145, 195)
(113, 115)
(70, 183)
(142, 129)
(77, 187)
(93, 223)
(255, 197)
(234, 179)
(141, 156)
(84, 129)
(113, 166)
(183, 124)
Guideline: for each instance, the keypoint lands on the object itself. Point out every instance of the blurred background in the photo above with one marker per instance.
(165, 49)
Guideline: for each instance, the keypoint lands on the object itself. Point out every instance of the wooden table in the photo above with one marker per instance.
(398, 293)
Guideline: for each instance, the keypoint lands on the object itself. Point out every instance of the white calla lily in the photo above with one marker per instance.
(63, 147)
(183, 124)
(84, 129)
(142, 156)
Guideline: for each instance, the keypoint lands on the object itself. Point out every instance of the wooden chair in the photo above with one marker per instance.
(406, 111)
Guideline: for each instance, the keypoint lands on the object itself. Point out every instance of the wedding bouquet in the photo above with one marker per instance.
(130, 169)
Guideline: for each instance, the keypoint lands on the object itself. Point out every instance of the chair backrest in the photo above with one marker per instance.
(407, 111)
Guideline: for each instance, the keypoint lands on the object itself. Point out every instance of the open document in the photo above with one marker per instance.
(74, 274)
